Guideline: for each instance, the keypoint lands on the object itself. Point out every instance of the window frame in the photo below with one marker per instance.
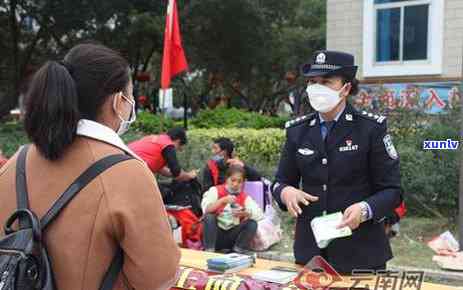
(431, 66)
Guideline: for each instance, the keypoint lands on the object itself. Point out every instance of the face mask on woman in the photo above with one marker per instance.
(217, 158)
(232, 191)
(125, 124)
(322, 98)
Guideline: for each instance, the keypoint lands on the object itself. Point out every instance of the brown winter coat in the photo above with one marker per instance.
(122, 206)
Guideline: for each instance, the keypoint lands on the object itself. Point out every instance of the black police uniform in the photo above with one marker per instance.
(358, 162)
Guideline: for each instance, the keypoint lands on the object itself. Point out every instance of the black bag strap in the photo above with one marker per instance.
(22, 199)
(85, 178)
(109, 279)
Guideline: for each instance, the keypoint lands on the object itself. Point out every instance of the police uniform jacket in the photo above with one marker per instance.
(358, 162)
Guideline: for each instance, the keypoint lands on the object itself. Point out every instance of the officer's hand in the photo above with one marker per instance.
(292, 197)
(352, 217)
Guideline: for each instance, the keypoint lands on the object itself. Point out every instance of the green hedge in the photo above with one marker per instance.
(235, 118)
(12, 136)
(150, 123)
(432, 176)
(207, 119)
(260, 148)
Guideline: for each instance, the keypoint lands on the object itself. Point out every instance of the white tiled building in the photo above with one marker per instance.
(411, 46)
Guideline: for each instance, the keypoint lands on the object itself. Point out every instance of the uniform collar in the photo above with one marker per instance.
(335, 118)
(100, 132)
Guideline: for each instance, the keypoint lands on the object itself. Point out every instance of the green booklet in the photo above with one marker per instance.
(324, 229)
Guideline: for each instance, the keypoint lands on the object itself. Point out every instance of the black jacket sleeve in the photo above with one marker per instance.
(207, 179)
(252, 174)
(385, 175)
(170, 156)
(287, 173)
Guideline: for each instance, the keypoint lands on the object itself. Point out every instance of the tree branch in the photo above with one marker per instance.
(15, 36)
(244, 98)
(150, 55)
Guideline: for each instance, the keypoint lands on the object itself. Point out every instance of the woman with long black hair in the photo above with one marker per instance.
(75, 111)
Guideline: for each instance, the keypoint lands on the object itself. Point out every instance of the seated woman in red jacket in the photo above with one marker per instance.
(223, 157)
(230, 216)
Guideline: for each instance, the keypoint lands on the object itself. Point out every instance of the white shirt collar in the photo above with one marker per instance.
(97, 131)
(335, 118)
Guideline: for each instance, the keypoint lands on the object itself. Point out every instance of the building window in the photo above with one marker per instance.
(401, 31)
(388, 34)
(415, 32)
(403, 37)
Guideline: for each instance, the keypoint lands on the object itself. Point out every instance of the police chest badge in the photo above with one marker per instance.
(305, 151)
(349, 146)
(390, 149)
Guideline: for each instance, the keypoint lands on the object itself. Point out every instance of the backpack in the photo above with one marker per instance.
(24, 261)
(183, 193)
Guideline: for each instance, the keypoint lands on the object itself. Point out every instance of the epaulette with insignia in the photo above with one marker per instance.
(374, 117)
(298, 120)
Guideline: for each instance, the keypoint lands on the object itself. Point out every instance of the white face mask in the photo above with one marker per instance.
(218, 158)
(322, 98)
(231, 190)
(125, 124)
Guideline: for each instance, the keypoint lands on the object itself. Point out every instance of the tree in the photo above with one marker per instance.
(243, 48)
(246, 47)
(46, 29)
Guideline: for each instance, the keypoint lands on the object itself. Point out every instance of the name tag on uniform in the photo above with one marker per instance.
(349, 146)
(305, 151)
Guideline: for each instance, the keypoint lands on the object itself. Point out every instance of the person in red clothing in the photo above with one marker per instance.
(230, 215)
(215, 169)
(160, 153)
(3, 159)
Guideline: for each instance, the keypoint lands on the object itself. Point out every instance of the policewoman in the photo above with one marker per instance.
(344, 161)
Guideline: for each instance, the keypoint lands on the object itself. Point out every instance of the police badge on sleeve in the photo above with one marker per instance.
(390, 149)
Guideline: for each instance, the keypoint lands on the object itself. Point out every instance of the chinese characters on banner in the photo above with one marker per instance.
(430, 97)
(193, 279)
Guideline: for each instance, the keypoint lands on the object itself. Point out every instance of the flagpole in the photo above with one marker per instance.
(185, 111)
(161, 119)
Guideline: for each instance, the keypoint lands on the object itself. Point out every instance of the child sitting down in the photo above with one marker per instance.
(230, 215)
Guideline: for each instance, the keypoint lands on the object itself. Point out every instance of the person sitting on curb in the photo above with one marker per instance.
(230, 215)
(214, 172)
(160, 153)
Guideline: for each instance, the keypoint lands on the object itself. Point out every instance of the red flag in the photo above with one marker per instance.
(173, 60)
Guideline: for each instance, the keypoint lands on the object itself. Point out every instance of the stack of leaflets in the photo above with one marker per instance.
(325, 229)
(274, 276)
(229, 263)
